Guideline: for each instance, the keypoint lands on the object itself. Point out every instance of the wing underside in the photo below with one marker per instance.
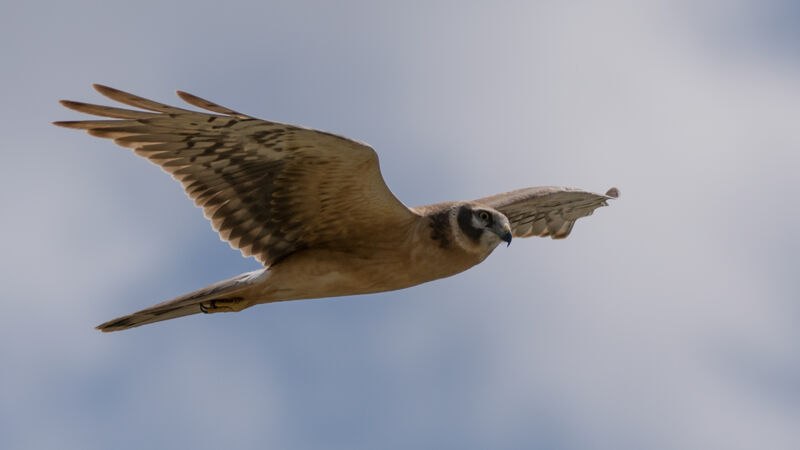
(269, 189)
(548, 210)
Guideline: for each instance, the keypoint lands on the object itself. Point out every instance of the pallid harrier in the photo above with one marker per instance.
(312, 207)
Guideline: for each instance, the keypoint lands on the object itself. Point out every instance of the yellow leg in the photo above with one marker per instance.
(234, 304)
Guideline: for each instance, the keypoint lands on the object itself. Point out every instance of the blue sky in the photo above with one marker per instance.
(666, 321)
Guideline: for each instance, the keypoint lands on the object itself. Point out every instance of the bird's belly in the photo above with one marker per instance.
(315, 274)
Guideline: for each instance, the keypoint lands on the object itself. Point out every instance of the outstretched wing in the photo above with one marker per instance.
(269, 189)
(547, 210)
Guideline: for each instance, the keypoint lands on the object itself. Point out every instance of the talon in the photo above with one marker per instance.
(224, 305)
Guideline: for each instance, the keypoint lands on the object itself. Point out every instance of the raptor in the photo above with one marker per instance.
(312, 207)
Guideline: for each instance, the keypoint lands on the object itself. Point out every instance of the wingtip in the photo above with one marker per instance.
(612, 193)
(73, 105)
(112, 93)
(103, 89)
(187, 97)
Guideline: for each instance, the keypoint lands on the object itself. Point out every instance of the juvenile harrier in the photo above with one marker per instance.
(312, 207)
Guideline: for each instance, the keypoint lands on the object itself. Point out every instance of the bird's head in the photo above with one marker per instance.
(483, 226)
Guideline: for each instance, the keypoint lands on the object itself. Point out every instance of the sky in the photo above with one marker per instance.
(669, 320)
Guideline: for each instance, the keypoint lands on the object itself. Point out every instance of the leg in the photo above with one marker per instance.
(233, 304)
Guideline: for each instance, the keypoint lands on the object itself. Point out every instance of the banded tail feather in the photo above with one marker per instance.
(223, 296)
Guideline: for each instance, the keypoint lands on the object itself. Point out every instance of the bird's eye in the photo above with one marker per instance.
(483, 215)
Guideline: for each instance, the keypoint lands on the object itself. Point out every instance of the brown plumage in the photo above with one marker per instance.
(312, 207)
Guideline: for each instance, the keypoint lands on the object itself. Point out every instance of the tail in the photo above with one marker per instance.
(203, 300)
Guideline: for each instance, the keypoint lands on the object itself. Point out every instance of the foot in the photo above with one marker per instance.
(234, 304)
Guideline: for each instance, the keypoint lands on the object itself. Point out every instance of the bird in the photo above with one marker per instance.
(312, 207)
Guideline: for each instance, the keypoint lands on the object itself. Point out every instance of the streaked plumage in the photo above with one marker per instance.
(312, 207)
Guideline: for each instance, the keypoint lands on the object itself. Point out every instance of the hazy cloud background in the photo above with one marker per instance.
(667, 321)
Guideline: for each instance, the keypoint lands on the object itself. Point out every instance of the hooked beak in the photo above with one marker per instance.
(506, 235)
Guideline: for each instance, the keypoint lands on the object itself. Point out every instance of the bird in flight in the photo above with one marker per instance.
(312, 207)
